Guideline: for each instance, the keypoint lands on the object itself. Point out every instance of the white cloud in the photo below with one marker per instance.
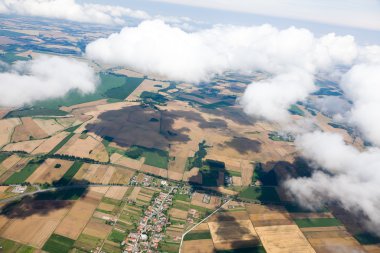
(352, 13)
(271, 98)
(44, 77)
(362, 85)
(71, 10)
(293, 54)
(350, 177)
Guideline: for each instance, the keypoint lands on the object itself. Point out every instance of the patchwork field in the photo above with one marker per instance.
(283, 239)
(49, 171)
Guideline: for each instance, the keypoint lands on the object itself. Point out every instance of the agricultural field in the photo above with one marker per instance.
(83, 172)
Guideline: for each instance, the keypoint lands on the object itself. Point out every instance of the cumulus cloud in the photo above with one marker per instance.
(292, 56)
(71, 10)
(282, 91)
(349, 176)
(361, 85)
(45, 77)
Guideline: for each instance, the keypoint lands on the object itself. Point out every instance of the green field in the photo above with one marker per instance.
(170, 247)
(262, 194)
(10, 57)
(116, 236)
(148, 96)
(121, 92)
(21, 176)
(367, 238)
(154, 157)
(217, 105)
(317, 222)
(233, 173)
(111, 201)
(199, 235)
(111, 87)
(58, 244)
(197, 160)
(12, 246)
(295, 110)
(70, 173)
(110, 248)
(60, 145)
(87, 242)
(293, 208)
(3, 156)
(183, 197)
(181, 206)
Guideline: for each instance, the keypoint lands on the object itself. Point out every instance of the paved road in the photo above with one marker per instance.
(184, 234)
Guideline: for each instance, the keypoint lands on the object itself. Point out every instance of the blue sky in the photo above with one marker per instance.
(360, 18)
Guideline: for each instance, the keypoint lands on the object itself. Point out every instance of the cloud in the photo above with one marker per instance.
(71, 10)
(361, 85)
(271, 98)
(349, 176)
(291, 55)
(45, 77)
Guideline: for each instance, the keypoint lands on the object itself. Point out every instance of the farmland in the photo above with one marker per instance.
(142, 160)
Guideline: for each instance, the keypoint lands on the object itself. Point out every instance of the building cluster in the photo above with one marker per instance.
(151, 227)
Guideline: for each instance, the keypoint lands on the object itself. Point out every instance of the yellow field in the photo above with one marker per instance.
(284, 239)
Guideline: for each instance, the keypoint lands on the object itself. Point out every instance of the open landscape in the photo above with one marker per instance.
(147, 162)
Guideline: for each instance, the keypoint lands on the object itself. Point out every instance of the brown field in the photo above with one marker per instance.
(121, 176)
(35, 229)
(49, 126)
(263, 215)
(246, 172)
(311, 215)
(7, 127)
(91, 105)
(229, 216)
(154, 170)
(10, 161)
(79, 215)
(193, 175)
(103, 174)
(144, 197)
(198, 246)
(126, 161)
(97, 228)
(116, 192)
(10, 165)
(26, 146)
(129, 73)
(197, 199)
(88, 147)
(331, 240)
(102, 216)
(46, 173)
(202, 227)
(134, 193)
(284, 239)
(106, 207)
(372, 248)
(146, 85)
(50, 143)
(66, 121)
(27, 130)
(237, 181)
(243, 236)
(177, 213)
